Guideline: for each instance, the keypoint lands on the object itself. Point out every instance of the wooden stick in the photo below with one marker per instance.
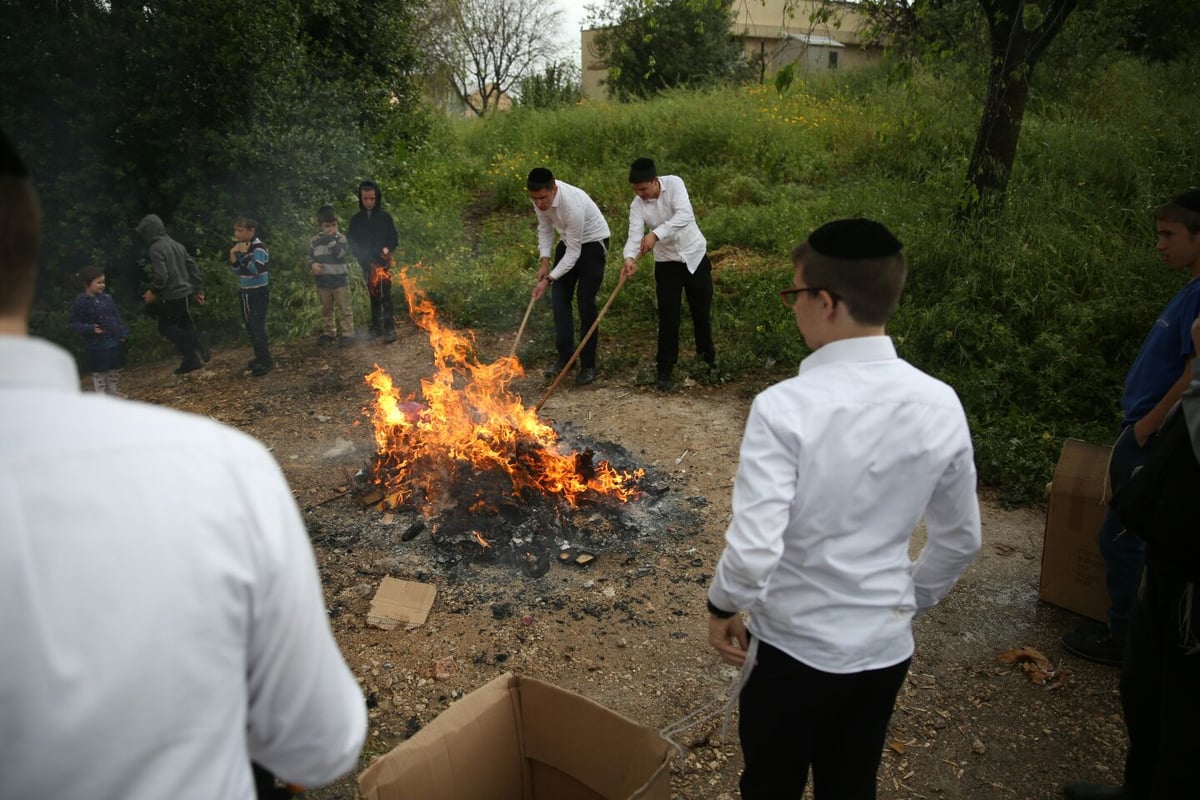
(520, 330)
(579, 349)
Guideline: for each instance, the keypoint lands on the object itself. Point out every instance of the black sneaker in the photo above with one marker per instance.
(1099, 649)
(203, 347)
(188, 366)
(345, 341)
(554, 371)
(389, 337)
(260, 369)
(586, 375)
(325, 338)
(664, 383)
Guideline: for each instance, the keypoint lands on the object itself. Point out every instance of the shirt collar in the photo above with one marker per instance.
(27, 362)
(857, 349)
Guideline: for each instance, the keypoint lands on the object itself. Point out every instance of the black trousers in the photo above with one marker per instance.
(254, 314)
(672, 282)
(1160, 690)
(175, 323)
(582, 282)
(793, 717)
(379, 289)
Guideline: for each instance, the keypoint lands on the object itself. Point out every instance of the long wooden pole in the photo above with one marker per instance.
(520, 330)
(582, 343)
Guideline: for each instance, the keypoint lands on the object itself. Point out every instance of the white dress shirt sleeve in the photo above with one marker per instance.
(572, 215)
(953, 530)
(763, 491)
(637, 228)
(675, 197)
(307, 717)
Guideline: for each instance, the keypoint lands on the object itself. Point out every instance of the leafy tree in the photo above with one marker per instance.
(652, 45)
(557, 85)
(198, 110)
(485, 47)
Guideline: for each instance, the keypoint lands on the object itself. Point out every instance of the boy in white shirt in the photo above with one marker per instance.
(837, 467)
(681, 262)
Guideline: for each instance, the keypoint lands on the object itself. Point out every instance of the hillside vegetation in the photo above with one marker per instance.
(1033, 316)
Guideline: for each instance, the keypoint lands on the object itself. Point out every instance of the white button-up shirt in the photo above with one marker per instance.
(671, 219)
(837, 467)
(578, 221)
(161, 616)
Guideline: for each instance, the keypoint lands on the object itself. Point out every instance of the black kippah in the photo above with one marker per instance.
(1189, 199)
(643, 171)
(539, 176)
(854, 238)
(11, 165)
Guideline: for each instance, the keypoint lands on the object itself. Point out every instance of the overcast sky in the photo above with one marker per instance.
(572, 19)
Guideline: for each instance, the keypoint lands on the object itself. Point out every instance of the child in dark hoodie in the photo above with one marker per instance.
(176, 280)
(373, 239)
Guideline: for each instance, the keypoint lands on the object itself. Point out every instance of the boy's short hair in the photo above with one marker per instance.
(326, 214)
(858, 260)
(249, 223)
(642, 170)
(20, 220)
(539, 178)
(1183, 208)
(87, 274)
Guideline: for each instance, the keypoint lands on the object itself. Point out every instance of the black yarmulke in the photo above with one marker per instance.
(854, 238)
(643, 171)
(11, 165)
(539, 176)
(1189, 199)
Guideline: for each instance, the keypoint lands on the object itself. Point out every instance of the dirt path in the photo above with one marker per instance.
(629, 630)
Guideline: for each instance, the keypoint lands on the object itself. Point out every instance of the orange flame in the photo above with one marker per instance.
(482, 541)
(470, 422)
(379, 273)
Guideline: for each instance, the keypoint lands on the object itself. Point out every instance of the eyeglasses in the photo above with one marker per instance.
(788, 296)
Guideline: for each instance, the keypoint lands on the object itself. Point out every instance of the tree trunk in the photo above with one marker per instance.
(1018, 40)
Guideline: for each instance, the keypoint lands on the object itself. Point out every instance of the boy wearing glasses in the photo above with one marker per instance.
(837, 467)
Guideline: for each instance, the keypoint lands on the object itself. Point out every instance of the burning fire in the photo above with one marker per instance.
(468, 424)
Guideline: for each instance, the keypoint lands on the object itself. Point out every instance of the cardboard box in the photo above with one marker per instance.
(521, 739)
(1072, 568)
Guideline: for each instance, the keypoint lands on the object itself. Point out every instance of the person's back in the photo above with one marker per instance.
(874, 439)
(160, 606)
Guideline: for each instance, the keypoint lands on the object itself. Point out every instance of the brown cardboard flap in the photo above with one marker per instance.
(600, 749)
(1072, 568)
(471, 751)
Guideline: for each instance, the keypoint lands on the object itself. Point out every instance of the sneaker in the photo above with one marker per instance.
(346, 341)
(389, 337)
(325, 338)
(203, 347)
(664, 383)
(258, 370)
(1100, 649)
(586, 375)
(556, 370)
(188, 366)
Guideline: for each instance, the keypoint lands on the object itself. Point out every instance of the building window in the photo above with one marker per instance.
(833, 54)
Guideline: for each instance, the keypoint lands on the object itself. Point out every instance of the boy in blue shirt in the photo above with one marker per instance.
(248, 259)
(1155, 382)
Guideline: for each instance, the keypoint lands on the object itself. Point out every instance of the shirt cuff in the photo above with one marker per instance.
(719, 613)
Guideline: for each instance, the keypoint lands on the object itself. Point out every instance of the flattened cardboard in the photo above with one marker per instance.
(1072, 567)
(522, 739)
(397, 602)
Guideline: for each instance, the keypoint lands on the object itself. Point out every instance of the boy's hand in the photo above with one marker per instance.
(628, 268)
(318, 268)
(97, 329)
(729, 638)
(148, 296)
